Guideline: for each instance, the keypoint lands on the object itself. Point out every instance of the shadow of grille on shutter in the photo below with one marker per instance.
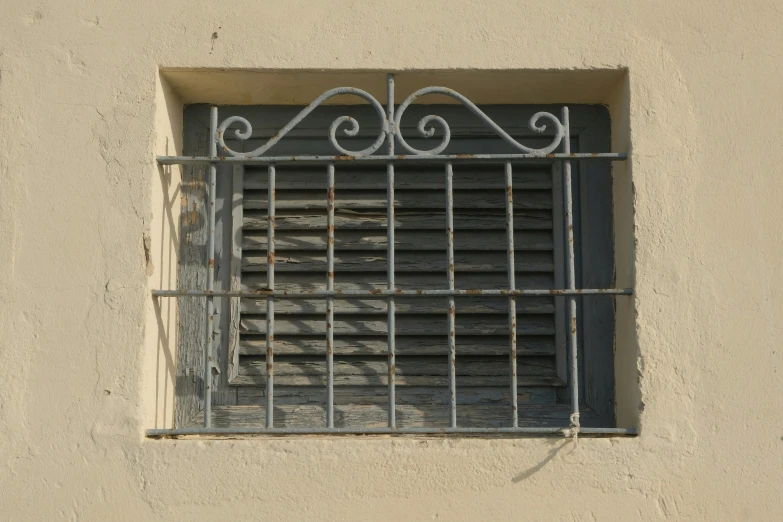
(360, 347)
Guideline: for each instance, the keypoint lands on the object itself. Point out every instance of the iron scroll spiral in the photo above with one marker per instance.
(352, 130)
(427, 130)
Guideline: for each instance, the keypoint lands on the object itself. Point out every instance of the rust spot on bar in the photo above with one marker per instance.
(401, 156)
(211, 263)
(344, 157)
(419, 292)
(376, 291)
(473, 291)
(270, 259)
(451, 310)
(510, 192)
(550, 155)
(465, 156)
(451, 267)
(330, 194)
(398, 291)
(330, 275)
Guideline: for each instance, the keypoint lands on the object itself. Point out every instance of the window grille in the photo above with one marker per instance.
(382, 152)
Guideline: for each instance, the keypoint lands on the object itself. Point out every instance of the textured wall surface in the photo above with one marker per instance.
(83, 112)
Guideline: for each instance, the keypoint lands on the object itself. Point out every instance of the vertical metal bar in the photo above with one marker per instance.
(270, 302)
(451, 318)
(210, 326)
(330, 300)
(391, 322)
(512, 302)
(571, 278)
(559, 236)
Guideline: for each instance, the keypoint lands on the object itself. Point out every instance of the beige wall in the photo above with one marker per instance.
(84, 363)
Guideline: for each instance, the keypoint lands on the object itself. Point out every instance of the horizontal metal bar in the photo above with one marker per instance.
(380, 294)
(418, 158)
(158, 433)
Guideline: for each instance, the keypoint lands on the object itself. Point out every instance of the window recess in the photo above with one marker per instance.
(411, 269)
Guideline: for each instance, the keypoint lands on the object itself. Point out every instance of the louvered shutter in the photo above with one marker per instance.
(360, 346)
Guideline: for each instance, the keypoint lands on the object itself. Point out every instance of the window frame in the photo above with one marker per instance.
(586, 128)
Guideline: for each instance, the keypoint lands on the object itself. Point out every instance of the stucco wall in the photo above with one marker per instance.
(83, 111)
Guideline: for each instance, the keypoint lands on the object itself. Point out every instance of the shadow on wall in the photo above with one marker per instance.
(557, 446)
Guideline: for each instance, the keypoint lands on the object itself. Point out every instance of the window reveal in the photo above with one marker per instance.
(365, 310)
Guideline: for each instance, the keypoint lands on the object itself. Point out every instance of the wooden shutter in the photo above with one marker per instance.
(360, 360)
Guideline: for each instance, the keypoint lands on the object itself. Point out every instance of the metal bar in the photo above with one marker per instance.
(573, 376)
(512, 302)
(270, 301)
(391, 321)
(210, 326)
(384, 294)
(330, 300)
(530, 430)
(451, 317)
(468, 158)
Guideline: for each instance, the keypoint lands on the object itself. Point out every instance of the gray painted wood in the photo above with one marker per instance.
(375, 416)
(352, 281)
(406, 395)
(417, 305)
(597, 271)
(407, 345)
(345, 199)
(405, 261)
(410, 324)
(191, 273)
(404, 240)
(367, 179)
(405, 220)
(410, 371)
(237, 261)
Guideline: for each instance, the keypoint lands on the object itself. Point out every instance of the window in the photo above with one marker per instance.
(314, 310)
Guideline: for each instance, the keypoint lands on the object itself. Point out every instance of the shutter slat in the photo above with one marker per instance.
(375, 416)
(376, 199)
(410, 395)
(477, 177)
(351, 281)
(469, 305)
(405, 261)
(405, 345)
(413, 324)
(404, 220)
(404, 240)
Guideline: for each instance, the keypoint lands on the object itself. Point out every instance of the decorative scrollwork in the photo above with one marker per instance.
(352, 130)
(427, 130)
